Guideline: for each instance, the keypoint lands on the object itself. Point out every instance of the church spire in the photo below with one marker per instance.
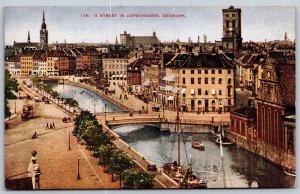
(116, 41)
(43, 16)
(28, 37)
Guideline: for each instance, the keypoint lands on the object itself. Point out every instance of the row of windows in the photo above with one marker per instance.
(117, 61)
(116, 66)
(213, 71)
(130, 74)
(206, 80)
(227, 15)
(133, 81)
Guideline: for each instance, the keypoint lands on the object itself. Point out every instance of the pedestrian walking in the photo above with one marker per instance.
(53, 125)
(50, 126)
(47, 126)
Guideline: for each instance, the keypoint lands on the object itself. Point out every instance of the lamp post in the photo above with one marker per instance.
(105, 113)
(15, 106)
(69, 141)
(78, 175)
(94, 102)
(163, 106)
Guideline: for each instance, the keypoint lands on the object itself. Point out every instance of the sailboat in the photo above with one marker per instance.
(222, 139)
(182, 174)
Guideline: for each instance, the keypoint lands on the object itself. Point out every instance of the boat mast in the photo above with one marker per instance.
(222, 156)
(177, 126)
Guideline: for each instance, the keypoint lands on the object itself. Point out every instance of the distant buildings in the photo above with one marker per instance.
(145, 42)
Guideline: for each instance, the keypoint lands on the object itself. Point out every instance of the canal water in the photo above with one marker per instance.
(242, 168)
(84, 98)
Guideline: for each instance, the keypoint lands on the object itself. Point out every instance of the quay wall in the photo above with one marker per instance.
(271, 153)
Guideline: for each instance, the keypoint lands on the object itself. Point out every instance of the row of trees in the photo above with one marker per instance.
(50, 93)
(110, 157)
(10, 85)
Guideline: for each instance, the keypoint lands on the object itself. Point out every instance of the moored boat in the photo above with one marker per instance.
(197, 145)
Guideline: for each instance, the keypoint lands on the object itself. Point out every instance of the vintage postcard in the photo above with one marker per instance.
(149, 97)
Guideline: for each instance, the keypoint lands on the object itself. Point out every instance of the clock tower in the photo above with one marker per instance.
(232, 30)
(43, 34)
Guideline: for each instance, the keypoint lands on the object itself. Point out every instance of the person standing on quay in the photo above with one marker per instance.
(47, 126)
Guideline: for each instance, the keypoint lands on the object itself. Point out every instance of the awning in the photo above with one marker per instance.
(113, 76)
(170, 98)
(192, 91)
(213, 91)
(175, 90)
(183, 91)
(168, 88)
(146, 83)
(170, 78)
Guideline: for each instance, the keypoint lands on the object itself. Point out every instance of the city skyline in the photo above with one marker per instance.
(62, 23)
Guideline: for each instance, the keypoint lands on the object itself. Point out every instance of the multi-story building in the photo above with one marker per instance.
(245, 64)
(134, 76)
(26, 61)
(203, 83)
(150, 75)
(267, 125)
(114, 65)
(57, 63)
(39, 63)
(14, 65)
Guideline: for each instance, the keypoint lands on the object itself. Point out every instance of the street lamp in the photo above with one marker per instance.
(78, 175)
(15, 106)
(69, 141)
(94, 102)
(105, 113)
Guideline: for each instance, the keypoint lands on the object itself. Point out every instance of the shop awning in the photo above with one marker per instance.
(183, 91)
(170, 78)
(170, 98)
(146, 83)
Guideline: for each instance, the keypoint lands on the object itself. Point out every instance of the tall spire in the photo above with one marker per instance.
(116, 41)
(28, 37)
(43, 16)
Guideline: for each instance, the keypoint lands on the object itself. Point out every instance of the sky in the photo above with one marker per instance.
(69, 23)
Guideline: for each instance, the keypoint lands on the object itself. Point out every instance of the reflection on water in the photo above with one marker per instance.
(84, 97)
(243, 168)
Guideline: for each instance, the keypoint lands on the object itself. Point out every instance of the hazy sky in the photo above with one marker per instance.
(67, 23)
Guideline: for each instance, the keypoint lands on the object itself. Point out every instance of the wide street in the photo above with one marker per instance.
(58, 164)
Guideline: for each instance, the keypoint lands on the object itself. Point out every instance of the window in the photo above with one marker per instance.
(229, 102)
(212, 80)
(183, 80)
(233, 24)
(233, 15)
(227, 23)
(213, 71)
(199, 91)
(192, 80)
(220, 92)
(183, 71)
(228, 71)
(199, 71)
(220, 81)
(213, 102)
(192, 71)
(206, 92)
(206, 71)
(206, 80)
(229, 81)
(227, 15)
(199, 80)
